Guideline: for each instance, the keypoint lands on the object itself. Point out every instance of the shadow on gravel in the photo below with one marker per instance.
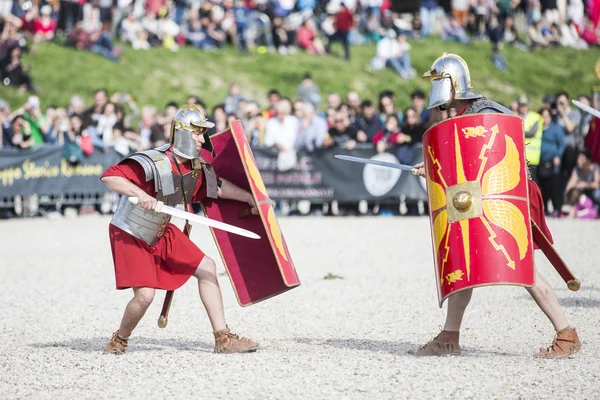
(396, 348)
(573, 302)
(472, 352)
(378, 346)
(135, 344)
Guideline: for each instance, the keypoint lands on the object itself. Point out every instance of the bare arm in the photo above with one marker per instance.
(596, 182)
(572, 181)
(123, 186)
(533, 130)
(569, 125)
(230, 191)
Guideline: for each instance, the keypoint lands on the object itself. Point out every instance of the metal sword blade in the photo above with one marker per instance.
(207, 221)
(588, 109)
(375, 162)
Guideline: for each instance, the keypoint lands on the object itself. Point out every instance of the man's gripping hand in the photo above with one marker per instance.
(146, 201)
(419, 169)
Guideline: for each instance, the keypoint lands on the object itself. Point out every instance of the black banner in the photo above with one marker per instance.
(315, 176)
(44, 171)
(319, 176)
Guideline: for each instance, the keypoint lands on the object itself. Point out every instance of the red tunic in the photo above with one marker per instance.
(536, 202)
(174, 258)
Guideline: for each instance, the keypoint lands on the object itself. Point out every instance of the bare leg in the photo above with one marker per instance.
(546, 299)
(135, 310)
(566, 342)
(210, 293)
(457, 304)
(446, 343)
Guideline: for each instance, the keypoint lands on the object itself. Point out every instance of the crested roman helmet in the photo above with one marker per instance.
(447, 72)
(188, 120)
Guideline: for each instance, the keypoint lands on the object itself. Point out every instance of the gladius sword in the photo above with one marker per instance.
(162, 208)
(588, 109)
(377, 162)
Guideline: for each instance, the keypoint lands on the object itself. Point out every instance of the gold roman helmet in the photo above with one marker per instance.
(446, 72)
(189, 119)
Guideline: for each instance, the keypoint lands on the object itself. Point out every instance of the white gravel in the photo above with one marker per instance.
(328, 339)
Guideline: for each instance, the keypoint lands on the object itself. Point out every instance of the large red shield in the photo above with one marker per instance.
(258, 269)
(476, 177)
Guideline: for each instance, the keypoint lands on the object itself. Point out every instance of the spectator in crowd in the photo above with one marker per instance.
(45, 26)
(414, 129)
(460, 9)
(151, 134)
(582, 207)
(18, 135)
(452, 30)
(219, 117)
(281, 132)
(308, 38)
(367, 124)
(341, 134)
(568, 119)
(352, 105)
(553, 147)
(343, 24)
(254, 124)
(534, 127)
(133, 32)
(390, 137)
(418, 103)
(586, 177)
(387, 107)
(394, 53)
(536, 36)
(283, 36)
(309, 91)
(14, 73)
(590, 35)
(428, 13)
(312, 130)
(233, 98)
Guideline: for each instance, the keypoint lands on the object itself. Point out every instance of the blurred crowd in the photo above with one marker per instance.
(287, 26)
(564, 159)
(569, 141)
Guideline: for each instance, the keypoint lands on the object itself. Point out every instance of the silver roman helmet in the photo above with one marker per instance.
(447, 72)
(189, 119)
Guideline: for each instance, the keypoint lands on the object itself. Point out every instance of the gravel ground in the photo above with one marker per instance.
(339, 338)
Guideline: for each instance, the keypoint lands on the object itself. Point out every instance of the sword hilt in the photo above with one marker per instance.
(136, 201)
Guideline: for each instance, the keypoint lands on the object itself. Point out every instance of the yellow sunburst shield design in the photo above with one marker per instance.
(276, 233)
(254, 173)
(508, 217)
(503, 176)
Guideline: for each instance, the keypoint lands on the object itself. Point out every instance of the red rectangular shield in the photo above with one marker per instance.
(477, 187)
(258, 269)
